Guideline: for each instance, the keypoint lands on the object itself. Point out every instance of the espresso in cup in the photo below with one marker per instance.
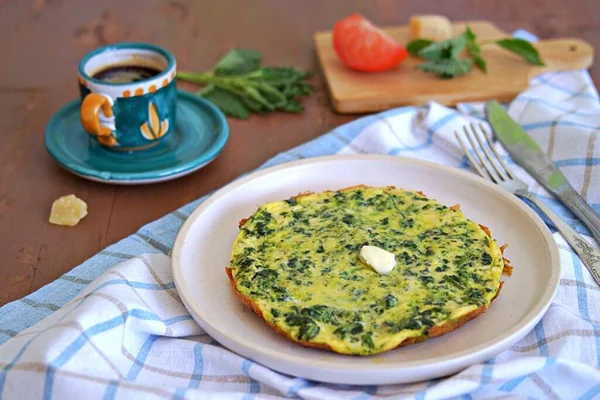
(126, 73)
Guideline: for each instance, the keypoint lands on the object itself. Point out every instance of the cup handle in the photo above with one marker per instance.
(93, 122)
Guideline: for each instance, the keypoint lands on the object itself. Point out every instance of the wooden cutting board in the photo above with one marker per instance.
(358, 92)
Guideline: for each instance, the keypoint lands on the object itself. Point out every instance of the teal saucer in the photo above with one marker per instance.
(200, 135)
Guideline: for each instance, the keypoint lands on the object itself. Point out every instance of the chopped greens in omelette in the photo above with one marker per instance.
(297, 264)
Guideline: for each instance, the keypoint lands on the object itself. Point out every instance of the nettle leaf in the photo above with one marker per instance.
(239, 86)
(206, 90)
(449, 68)
(254, 106)
(305, 88)
(280, 75)
(448, 49)
(479, 60)
(228, 102)
(458, 44)
(289, 91)
(469, 34)
(523, 49)
(417, 45)
(292, 106)
(269, 92)
(474, 49)
(238, 61)
(443, 59)
(255, 95)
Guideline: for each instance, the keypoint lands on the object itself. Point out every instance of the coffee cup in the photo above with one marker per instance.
(128, 95)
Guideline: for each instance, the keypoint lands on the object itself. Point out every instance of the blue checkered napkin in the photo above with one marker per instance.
(114, 327)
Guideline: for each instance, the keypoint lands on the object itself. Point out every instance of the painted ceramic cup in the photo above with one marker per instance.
(133, 115)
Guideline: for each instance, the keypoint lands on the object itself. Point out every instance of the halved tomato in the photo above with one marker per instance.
(364, 47)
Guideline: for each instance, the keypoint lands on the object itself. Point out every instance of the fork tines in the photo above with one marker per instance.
(493, 165)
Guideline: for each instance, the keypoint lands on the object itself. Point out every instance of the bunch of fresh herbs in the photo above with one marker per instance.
(445, 58)
(239, 85)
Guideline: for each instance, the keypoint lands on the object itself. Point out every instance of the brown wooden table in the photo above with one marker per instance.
(41, 42)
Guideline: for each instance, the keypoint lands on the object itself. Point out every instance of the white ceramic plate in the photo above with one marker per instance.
(202, 249)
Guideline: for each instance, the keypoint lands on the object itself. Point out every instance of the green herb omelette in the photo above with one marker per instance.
(296, 264)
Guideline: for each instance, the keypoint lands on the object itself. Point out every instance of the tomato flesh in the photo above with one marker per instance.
(364, 47)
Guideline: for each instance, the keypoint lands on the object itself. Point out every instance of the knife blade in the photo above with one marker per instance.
(526, 152)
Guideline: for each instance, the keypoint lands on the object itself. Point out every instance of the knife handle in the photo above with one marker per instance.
(589, 255)
(580, 208)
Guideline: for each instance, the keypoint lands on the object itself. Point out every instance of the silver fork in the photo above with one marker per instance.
(490, 165)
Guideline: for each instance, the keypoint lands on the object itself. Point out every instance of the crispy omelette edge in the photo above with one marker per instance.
(449, 326)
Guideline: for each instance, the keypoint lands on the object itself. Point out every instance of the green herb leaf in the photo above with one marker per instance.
(448, 68)
(443, 57)
(479, 60)
(523, 49)
(469, 34)
(448, 49)
(417, 45)
(254, 94)
(474, 49)
(238, 61)
(292, 106)
(228, 102)
(281, 75)
(239, 85)
(253, 105)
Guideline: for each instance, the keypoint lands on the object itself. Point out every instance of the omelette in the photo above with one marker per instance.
(301, 265)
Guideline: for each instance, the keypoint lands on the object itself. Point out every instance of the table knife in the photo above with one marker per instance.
(526, 152)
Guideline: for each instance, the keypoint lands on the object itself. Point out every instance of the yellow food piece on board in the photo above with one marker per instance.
(432, 27)
(68, 210)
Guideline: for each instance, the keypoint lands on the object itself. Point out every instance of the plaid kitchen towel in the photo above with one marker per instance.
(115, 328)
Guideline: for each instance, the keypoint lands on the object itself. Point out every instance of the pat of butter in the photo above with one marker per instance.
(380, 260)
